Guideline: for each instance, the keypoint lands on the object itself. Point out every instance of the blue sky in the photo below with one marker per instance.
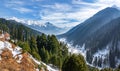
(62, 13)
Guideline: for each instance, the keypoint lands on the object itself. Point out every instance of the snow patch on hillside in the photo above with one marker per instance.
(15, 51)
(1, 45)
(74, 49)
(17, 54)
(1, 36)
(117, 62)
(101, 54)
(48, 66)
(36, 61)
(20, 57)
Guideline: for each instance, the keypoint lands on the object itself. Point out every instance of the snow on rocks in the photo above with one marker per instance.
(20, 57)
(2, 36)
(16, 51)
(1, 45)
(8, 45)
(37, 69)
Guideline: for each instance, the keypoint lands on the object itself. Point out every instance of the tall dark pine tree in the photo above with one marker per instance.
(74, 63)
(41, 41)
(34, 49)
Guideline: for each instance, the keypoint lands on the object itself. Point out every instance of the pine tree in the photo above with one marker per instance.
(25, 46)
(34, 49)
(74, 63)
(44, 55)
(107, 69)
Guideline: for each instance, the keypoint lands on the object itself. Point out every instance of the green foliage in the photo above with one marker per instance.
(36, 55)
(4, 28)
(44, 55)
(51, 50)
(92, 68)
(118, 68)
(42, 66)
(34, 49)
(74, 63)
(53, 44)
(107, 69)
(33, 44)
(17, 30)
(41, 41)
(25, 46)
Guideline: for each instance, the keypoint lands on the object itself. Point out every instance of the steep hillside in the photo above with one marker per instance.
(105, 45)
(13, 58)
(100, 36)
(81, 32)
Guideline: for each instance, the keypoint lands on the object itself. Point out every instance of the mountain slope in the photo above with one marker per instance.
(104, 44)
(16, 29)
(13, 58)
(100, 35)
(85, 29)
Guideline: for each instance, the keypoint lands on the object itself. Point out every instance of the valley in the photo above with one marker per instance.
(59, 35)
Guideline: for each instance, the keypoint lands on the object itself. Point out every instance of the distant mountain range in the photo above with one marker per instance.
(48, 28)
(100, 34)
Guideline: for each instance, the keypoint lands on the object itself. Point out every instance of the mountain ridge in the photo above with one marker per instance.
(99, 33)
(91, 25)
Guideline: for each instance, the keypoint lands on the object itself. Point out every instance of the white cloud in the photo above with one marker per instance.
(62, 7)
(79, 10)
(16, 19)
(109, 2)
(17, 5)
(37, 0)
(61, 14)
(64, 17)
(23, 10)
(13, 3)
(58, 7)
(29, 22)
(99, 3)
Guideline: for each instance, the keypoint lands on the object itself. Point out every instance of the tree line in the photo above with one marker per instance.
(47, 48)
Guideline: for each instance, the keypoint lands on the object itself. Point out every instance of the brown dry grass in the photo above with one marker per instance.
(8, 63)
